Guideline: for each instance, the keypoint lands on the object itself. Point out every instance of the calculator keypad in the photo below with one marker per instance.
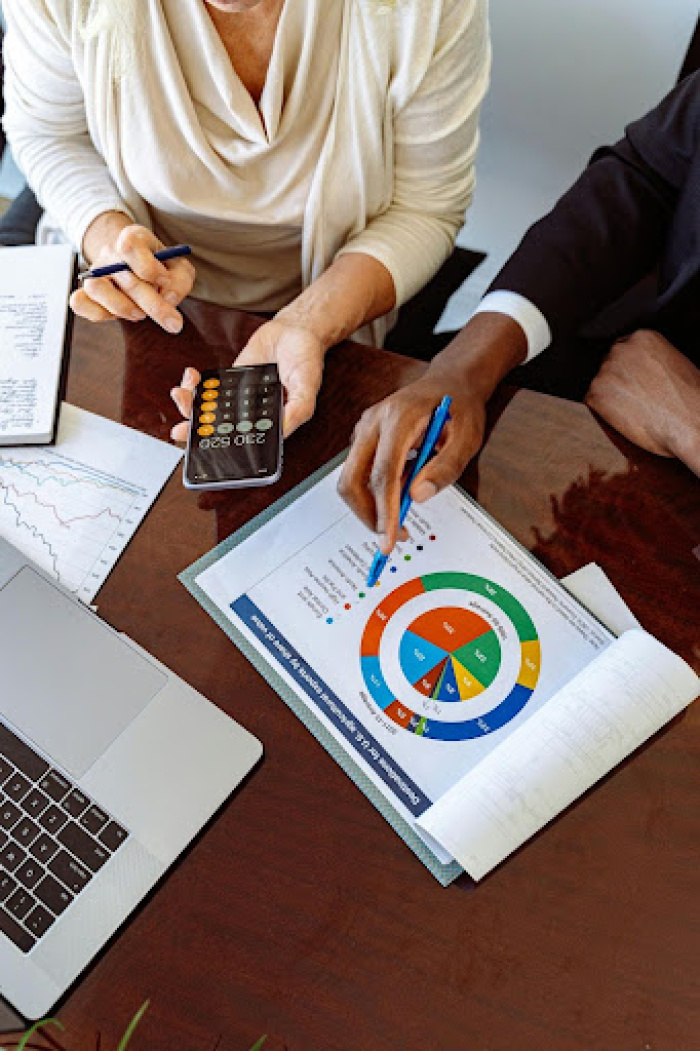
(231, 406)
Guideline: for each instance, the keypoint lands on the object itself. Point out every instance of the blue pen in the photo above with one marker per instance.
(119, 268)
(437, 421)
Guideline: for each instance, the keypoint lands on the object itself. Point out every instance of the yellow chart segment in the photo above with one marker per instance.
(467, 684)
(530, 667)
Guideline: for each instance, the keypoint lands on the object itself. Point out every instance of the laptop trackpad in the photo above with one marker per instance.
(67, 682)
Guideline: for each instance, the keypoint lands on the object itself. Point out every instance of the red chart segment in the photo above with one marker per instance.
(429, 684)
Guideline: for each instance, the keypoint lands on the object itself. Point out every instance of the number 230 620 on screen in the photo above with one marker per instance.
(236, 435)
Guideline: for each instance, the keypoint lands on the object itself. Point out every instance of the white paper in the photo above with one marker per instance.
(73, 507)
(594, 590)
(34, 290)
(607, 711)
(296, 591)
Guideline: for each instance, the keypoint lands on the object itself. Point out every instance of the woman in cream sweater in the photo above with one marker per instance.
(317, 154)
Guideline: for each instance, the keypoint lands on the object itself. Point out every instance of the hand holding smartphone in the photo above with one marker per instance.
(235, 437)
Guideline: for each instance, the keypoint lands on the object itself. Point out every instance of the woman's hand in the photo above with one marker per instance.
(352, 291)
(298, 354)
(372, 476)
(150, 289)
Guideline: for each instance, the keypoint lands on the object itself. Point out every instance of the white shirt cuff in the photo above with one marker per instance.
(531, 320)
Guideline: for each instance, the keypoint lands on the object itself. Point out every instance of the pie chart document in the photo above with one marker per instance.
(419, 679)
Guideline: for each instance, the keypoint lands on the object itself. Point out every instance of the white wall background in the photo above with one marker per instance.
(568, 75)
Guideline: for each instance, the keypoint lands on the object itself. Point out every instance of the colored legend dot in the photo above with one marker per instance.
(348, 606)
(433, 538)
(393, 569)
(361, 595)
(329, 620)
(407, 558)
(420, 547)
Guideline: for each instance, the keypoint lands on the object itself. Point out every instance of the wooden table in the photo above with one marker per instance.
(298, 912)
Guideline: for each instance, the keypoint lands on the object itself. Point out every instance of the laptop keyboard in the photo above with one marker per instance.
(53, 840)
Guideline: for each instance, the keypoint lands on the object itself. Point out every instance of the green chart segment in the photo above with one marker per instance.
(450, 654)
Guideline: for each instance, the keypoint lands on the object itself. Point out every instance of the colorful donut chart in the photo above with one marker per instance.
(452, 655)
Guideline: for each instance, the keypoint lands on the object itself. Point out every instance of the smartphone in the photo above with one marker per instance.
(235, 436)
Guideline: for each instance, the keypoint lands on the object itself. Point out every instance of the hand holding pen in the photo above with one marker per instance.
(432, 435)
(147, 284)
(371, 479)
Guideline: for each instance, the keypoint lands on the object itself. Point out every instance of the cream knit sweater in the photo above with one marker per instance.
(364, 139)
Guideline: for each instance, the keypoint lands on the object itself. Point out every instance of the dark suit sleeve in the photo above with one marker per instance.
(609, 230)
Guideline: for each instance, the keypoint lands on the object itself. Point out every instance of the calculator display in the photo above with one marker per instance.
(235, 436)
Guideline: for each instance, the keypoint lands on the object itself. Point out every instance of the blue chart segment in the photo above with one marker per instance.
(447, 687)
(372, 673)
(419, 656)
(451, 655)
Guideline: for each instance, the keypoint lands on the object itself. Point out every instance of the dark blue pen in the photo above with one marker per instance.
(119, 268)
(437, 421)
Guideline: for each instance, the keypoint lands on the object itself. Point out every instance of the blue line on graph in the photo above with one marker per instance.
(93, 477)
(33, 530)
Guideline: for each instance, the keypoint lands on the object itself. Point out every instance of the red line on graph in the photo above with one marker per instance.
(67, 522)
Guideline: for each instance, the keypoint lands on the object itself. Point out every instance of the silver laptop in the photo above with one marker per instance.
(109, 766)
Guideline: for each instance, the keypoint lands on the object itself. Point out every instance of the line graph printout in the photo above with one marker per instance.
(73, 507)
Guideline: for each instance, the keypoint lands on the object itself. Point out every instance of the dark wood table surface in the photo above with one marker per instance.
(298, 912)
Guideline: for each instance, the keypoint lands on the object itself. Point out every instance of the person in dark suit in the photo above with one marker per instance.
(634, 212)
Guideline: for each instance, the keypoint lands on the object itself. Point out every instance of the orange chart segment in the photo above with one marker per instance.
(450, 627)
(381, 615)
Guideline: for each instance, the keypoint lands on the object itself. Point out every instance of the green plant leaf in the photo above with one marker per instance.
(132, 1025)
(261, 1041)
(35, 1029)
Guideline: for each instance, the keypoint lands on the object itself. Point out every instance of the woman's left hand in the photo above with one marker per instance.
(299, 356)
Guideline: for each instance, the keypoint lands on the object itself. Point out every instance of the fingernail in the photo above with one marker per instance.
(424, 490)
(173, 324)
(189, 376)
(171, 297)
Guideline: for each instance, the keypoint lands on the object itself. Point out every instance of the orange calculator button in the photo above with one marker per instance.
(212, 383)
(210, 395)
(207, 417)
(205, 431)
